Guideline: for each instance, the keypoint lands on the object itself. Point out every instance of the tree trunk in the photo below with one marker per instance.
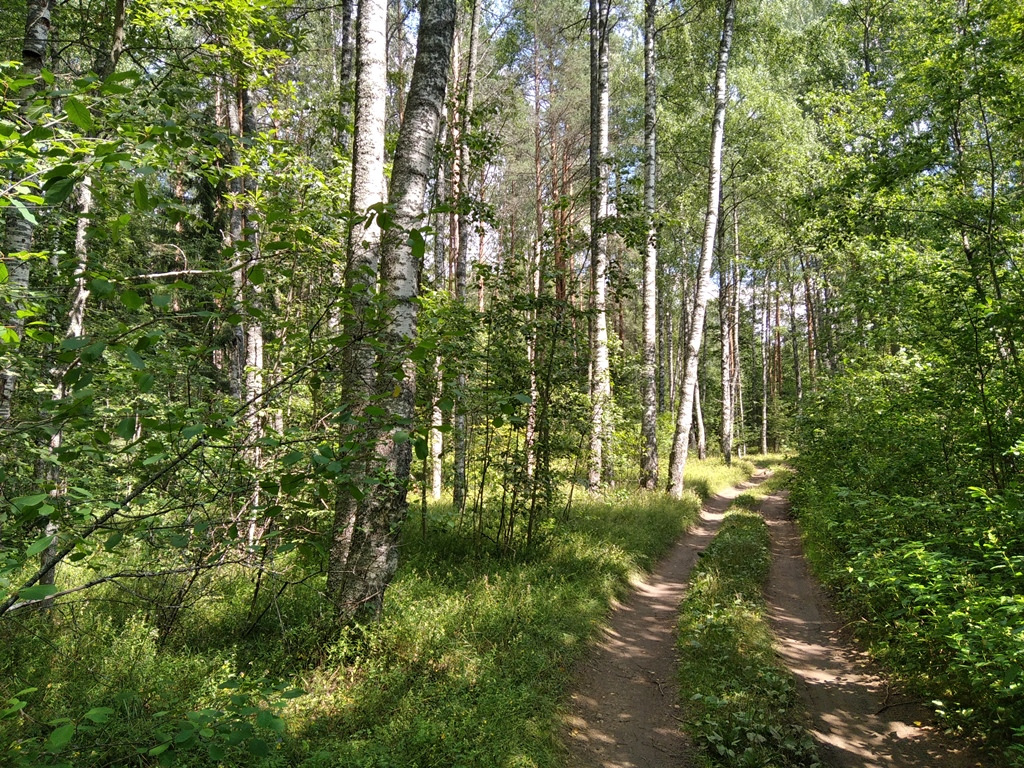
(600, 376)
(360, 280)
(20, 232)
(371, 555)
(461, 177)
(765, 340)
(702, 436)
(724, 324)
(649, 426)
(696, 335)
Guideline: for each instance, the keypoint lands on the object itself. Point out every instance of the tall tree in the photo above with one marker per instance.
(649, 426)
(371, 554)
(21, 219)
(360, 280)
(684, 418)
(600, 372)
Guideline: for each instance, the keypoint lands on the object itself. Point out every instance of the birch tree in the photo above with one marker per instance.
(684, 417)
(363, 568)
(649, 426)
(361, 268)
(600, 374)
(20, 219)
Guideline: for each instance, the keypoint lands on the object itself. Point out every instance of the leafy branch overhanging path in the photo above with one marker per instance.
(624, 712)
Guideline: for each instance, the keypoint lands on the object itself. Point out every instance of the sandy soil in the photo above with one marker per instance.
(624, 711)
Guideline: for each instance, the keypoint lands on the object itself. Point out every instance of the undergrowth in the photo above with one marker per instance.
(939, 588)
(467, 667)
(739, 703)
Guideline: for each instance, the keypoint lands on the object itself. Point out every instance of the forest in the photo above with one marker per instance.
(355, 357)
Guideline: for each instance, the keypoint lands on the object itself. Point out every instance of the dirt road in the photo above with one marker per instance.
(624, 712)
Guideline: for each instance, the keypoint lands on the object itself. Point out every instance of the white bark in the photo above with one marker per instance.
(684, 418)
(371, 554)
(20, 230)
(361, 272)
(600, 381)
(649, 426)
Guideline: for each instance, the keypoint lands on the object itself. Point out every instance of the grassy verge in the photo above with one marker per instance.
(739, 704)
(467, 668)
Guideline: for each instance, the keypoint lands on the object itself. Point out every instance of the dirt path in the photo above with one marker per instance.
(624, 712)
(857, 720)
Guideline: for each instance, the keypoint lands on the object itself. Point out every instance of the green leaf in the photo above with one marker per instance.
(59, 190)
(134, 358)
(60, 737)
(102, 288)
(28, 502)
(141, 195)
(78, 113)
(99, 714)
(26, 214)
(39, 545)
(38, 592)
(267, 719)
(113, 540)
(125, 428)
(192, 431)
(159, 749)
(256, 274)
(93, 352)
(131, 299)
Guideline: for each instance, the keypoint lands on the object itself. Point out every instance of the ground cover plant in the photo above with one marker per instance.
(739, 703)
(928, 568)
(466, 668)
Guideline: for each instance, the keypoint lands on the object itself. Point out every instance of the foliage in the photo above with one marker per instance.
(467, 667)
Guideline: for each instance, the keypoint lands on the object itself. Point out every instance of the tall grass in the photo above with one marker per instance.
(467, 668)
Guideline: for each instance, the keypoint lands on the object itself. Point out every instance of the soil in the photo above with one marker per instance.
(624, 712)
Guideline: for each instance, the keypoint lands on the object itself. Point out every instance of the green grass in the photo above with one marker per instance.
(739, 704)
(468, 667)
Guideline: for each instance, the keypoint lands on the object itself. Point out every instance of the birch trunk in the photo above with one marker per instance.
(649, 426)
(371, 554)
(765, 340)
(464, 223)
(20, 230)
(361, 276)
(696, 335)
(600, 375)
(725, 323)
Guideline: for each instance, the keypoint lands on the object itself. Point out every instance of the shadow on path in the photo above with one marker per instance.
(857, 720)
(625, 708)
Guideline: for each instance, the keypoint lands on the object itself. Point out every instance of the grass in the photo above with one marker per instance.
(468, 667)
(739, 704)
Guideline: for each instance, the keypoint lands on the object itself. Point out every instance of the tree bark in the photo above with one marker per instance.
(371, 556)
(696, 335)
(20, 231)
(360, 279)
(464, 223)
(600, 375)
(649, 426)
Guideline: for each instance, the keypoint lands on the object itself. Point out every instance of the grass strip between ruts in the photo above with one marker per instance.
(739, 704)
